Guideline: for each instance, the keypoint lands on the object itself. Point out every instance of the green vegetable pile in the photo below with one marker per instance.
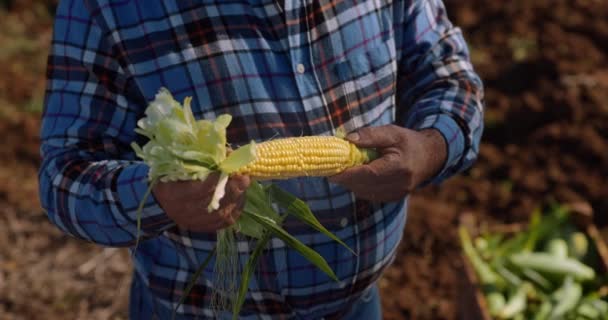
(544, 272)
(180, 147)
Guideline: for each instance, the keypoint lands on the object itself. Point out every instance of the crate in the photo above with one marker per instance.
(472, 304)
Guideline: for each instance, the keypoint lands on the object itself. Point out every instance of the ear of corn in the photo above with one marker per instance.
(546, 262)
(304, 156)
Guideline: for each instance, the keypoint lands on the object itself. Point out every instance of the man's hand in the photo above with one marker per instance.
(186, 202)
(406, 159)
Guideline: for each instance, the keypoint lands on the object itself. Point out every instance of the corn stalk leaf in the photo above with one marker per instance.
(248, 272)
(258, 201)
(311, 255)
(249, 227)
(138, 213)
(300, 210)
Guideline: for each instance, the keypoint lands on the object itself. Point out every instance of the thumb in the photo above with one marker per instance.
(374, 137)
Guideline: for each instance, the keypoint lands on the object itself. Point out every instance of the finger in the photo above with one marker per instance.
(242, 182)
(375, 137)
(226, 216)
(198, 206)
(235, 190)
(233, 210)
(377, 172)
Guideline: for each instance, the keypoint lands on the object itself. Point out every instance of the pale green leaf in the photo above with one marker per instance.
(218, 194)
(239, 158)
(188, 115)
(223, 120)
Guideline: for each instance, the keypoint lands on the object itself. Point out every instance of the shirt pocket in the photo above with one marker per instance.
(367, 79)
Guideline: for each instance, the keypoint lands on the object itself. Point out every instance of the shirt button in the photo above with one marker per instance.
(300, 68)
(343, 222)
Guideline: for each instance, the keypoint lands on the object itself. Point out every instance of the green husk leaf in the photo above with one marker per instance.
(300, 210)
(279, 232)
(223, 121)
(511, 278)
(179, 146)
(516, 303)
(544, 310)
(566, 297)
(496, 302)
(239, 158)
(547, 263)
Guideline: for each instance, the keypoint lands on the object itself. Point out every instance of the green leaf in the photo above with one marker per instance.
(258, 200)
(249, 227)
(248, 272)
(305, 251)
(223, 120)
(193, 280)
(300, 210)
(239, 158)
(188, 115)
(138, 213)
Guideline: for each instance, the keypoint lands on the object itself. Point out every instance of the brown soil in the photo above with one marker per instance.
(545, 67)
(544, 64)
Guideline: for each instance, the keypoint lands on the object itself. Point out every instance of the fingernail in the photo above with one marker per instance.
(353, 136)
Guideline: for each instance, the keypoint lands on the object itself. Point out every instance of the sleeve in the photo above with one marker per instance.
(90, 182)
(438, 87)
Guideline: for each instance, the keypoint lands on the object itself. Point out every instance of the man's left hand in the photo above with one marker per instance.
(406, 159)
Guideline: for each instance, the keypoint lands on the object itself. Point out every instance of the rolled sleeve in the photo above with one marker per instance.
(454, 139)
(438, 87)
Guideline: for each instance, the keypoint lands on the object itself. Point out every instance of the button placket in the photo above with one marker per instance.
(343, 222)
(300, 68)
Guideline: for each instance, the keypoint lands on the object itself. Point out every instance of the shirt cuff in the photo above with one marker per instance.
(454, 140)
(131, 188)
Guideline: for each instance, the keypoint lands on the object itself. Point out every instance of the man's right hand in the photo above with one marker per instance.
(186, 202)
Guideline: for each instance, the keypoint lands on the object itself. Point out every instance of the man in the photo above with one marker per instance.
(395, 74)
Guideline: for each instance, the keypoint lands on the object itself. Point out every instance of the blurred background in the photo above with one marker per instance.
(545, 68)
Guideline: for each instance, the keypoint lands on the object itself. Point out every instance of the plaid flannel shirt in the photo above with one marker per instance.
(297, 68)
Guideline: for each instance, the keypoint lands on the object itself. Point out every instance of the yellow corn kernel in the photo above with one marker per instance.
(304, 156)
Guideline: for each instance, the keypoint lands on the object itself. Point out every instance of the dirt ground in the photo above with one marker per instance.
(545, 67)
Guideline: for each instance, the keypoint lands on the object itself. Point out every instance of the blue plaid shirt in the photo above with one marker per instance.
(289, 69)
